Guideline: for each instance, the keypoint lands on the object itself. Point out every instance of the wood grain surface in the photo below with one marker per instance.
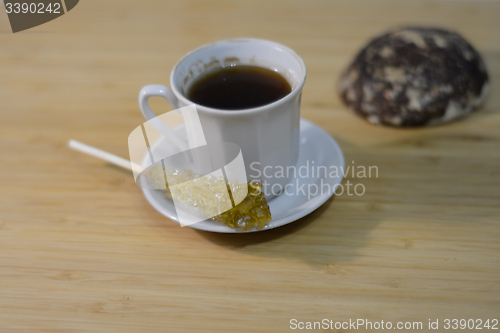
(82, 251)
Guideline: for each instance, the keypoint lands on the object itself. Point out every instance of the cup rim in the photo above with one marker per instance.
(262, 108)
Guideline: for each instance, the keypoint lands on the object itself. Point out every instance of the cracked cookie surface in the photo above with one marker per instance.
(415, 76)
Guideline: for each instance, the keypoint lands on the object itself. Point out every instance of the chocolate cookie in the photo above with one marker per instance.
(415, 76)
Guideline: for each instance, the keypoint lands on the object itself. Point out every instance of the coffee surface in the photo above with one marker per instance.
(238, 87)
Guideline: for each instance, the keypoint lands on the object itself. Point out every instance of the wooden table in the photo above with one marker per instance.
(82, 251)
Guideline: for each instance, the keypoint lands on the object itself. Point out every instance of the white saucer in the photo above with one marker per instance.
(315, 145)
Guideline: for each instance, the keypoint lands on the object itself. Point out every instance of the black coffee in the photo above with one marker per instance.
(238, 87)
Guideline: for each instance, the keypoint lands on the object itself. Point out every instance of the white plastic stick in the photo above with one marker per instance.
(104, 155)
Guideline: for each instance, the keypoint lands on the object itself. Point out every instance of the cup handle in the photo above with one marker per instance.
(159, 90)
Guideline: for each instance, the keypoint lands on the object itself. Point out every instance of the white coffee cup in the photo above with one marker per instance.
(268, 135)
